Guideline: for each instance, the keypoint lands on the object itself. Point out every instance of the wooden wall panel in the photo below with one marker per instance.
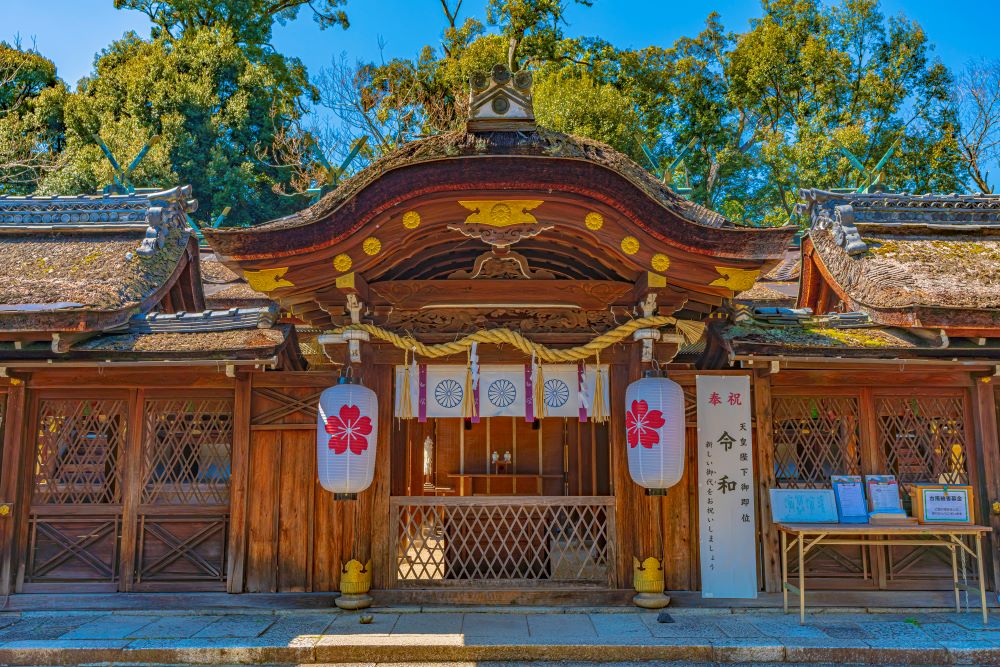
(262, 517)
(297, 470)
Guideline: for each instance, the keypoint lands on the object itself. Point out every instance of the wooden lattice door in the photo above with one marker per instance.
(922, 437)
(75, 505)
(919, 435)
(817, 435)
(183, 510)
(128, 491)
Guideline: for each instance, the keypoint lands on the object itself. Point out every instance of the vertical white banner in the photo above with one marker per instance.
(725, 488)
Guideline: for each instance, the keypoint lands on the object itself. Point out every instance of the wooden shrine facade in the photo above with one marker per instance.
(162, 436)
(170, 488)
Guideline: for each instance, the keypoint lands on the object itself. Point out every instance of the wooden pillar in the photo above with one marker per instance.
(988, 460)
(637, 516)
(371, 509)
(239, 484)
(10, 473)
(765, 480)
(132, 484)
(383, 562)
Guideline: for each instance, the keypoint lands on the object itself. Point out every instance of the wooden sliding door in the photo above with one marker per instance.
(126, 491)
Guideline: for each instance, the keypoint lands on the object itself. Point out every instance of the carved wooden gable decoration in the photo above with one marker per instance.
(481, 224)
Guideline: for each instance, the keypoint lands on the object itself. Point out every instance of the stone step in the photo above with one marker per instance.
(414, 649)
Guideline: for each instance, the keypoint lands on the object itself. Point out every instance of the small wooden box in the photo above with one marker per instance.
(923, 503)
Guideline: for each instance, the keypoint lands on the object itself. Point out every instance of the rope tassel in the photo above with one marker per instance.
(600, 411)
(405, 403)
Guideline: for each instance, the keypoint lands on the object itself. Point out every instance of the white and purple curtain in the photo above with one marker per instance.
(502, 390)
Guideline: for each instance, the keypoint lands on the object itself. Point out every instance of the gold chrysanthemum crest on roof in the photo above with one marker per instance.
(500, 100)
(501, 213)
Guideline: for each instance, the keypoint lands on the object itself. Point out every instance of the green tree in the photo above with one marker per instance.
(251, 21)
(216, 110)
(31, 125)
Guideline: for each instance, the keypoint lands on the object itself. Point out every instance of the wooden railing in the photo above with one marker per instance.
(517, 539)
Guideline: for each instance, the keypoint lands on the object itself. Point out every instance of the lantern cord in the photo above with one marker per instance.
(689, 330)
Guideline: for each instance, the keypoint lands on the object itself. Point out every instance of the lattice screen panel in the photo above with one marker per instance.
(815, 437)
(77, 452)
(503, 542)
(923, 438)
(186, 453)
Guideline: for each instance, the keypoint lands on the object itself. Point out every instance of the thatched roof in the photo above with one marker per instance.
(224, 288)
(211, 342)
(93, 271)
(88, 263)
(765, 293)
(907, 260)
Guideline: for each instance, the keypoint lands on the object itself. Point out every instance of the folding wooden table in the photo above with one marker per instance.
(806, 536)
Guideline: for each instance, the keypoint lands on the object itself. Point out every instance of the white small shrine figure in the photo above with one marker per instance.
(428, 457)
(494, 457)
(506, 457)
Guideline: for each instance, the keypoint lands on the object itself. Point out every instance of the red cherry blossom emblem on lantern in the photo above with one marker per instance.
(641, 424)
(348, 431)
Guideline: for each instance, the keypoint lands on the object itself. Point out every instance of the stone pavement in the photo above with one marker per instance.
(413, 634)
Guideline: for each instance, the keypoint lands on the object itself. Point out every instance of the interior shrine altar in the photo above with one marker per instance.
(500, 364)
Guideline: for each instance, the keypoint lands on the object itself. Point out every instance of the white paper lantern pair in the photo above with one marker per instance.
(346, 435)
(654, 431)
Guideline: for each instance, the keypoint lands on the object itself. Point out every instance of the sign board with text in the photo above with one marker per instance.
(726, 488)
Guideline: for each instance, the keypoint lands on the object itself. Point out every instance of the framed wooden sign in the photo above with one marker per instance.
(942, 503)
(803, 506)
(850, 494)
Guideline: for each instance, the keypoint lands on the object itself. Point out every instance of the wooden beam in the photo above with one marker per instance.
(764, 461)
(10, 474)
(383, 561)
(239, 489)
(417, 294)
(131, 465)
(984, 410)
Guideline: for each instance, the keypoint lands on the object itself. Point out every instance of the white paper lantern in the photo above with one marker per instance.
(346, 433)
(654, 431)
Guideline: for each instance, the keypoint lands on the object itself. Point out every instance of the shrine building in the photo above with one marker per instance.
(159, 400)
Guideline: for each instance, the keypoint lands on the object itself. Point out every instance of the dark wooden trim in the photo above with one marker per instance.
(239, 489)
(383, 562)
(131, 461)
(628, 505)
(10, 474)
(764, 460)
(985, 402)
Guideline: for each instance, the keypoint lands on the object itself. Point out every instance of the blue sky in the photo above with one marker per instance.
(70, 32)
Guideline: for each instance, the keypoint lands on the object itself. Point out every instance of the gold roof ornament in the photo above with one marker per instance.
(267, 280)
(500, 100)
(738, 280)
(501, 213)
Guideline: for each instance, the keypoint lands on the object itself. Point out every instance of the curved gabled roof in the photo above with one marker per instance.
(461, 146)
(567, 208)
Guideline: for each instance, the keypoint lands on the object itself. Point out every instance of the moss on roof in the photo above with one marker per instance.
(238, 294)
(215, 272)
(761, 293)
(803, 336)
(100, 271)
(904, 270)
(212, 341)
